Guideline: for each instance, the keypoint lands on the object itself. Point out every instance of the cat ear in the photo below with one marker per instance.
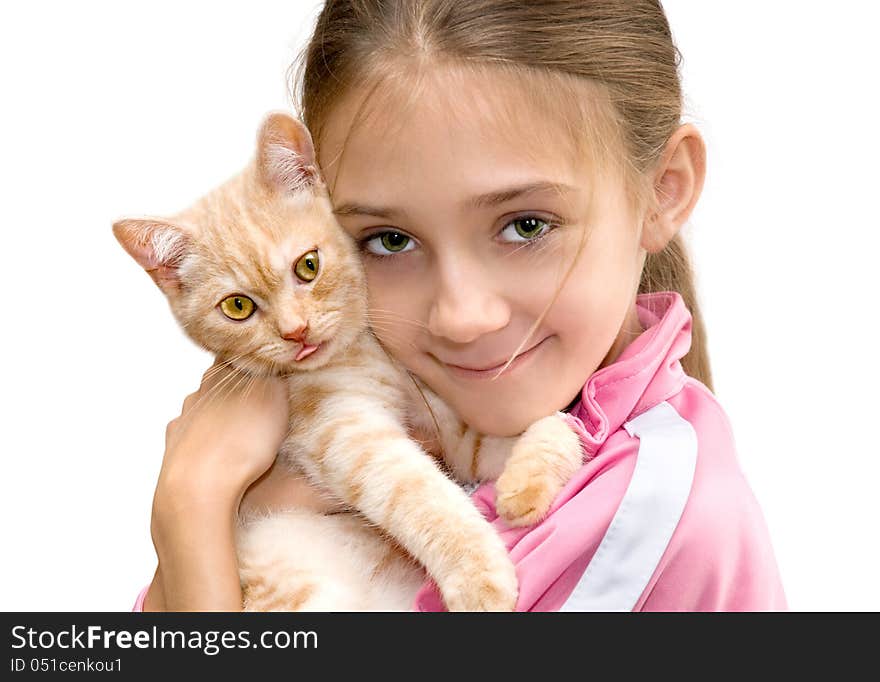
(286, 155)
(158, 246)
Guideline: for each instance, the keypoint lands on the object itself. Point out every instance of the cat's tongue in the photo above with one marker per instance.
(306, 351)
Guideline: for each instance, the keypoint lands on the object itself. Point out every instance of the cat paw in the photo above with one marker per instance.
(523, 497)
(485, 587)
(542, 461)
(483, 593)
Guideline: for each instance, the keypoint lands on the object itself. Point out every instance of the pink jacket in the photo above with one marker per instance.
(660, 517)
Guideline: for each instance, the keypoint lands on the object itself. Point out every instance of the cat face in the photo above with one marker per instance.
(258, 271)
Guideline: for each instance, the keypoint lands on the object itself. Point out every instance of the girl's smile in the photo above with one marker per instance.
(490, 370)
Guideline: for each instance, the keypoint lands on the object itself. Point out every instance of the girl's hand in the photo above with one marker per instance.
(227, 435)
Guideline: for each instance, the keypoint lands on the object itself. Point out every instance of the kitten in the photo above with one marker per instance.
(260, 273)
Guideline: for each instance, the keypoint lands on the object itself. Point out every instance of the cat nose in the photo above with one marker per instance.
(296, 334)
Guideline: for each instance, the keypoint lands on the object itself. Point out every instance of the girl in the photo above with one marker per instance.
(516, 175)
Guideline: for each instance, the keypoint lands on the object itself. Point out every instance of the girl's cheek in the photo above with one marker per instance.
(388, 291)
(396, 307)
(528, 287)
(379, 284)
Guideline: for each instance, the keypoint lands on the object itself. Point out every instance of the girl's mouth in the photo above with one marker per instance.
(487, 373)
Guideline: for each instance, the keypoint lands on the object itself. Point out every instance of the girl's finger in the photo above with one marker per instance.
(171, 426)
(189, 401)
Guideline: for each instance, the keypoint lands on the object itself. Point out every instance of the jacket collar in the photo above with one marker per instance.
(647, 372)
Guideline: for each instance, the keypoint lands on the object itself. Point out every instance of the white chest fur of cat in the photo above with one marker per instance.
(260, 273)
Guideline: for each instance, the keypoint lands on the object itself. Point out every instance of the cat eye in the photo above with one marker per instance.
(306, 268)
(237, 307)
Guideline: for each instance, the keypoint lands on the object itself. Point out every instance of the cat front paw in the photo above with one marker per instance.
(524, 497)
(542, 461)
(482, 584)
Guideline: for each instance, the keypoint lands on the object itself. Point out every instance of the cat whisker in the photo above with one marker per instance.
(220, 365)
(216, 389)
(393, 317)
(384, 312)
(397, 321)
(392, 340)
(251, 383)
(245, 378)
(387, 325)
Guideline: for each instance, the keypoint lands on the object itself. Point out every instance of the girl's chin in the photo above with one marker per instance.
(495, 418)
(503, 427)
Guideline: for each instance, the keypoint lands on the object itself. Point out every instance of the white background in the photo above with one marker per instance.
(110, 109)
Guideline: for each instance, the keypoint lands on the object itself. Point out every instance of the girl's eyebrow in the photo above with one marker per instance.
(501, 196)
(488, 199)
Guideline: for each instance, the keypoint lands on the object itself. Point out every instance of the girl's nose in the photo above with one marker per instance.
(466, 307)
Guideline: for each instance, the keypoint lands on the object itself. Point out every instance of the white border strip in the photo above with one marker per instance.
(647, 516)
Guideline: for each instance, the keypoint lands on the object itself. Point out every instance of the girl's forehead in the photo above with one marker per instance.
(464, 117)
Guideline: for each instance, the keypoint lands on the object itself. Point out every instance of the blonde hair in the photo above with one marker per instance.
(621, 49)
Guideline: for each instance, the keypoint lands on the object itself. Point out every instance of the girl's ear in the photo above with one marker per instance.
(678, 184)
(285, 155)
(158, 246)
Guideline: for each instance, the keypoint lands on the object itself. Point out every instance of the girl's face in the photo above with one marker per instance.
(467, 231)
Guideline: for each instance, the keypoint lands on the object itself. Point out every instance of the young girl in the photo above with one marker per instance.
(516, 175)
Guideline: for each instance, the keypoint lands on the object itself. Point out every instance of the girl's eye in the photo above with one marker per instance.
(388, 242)
(237, 307)
(524, 229)
(306, 268)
